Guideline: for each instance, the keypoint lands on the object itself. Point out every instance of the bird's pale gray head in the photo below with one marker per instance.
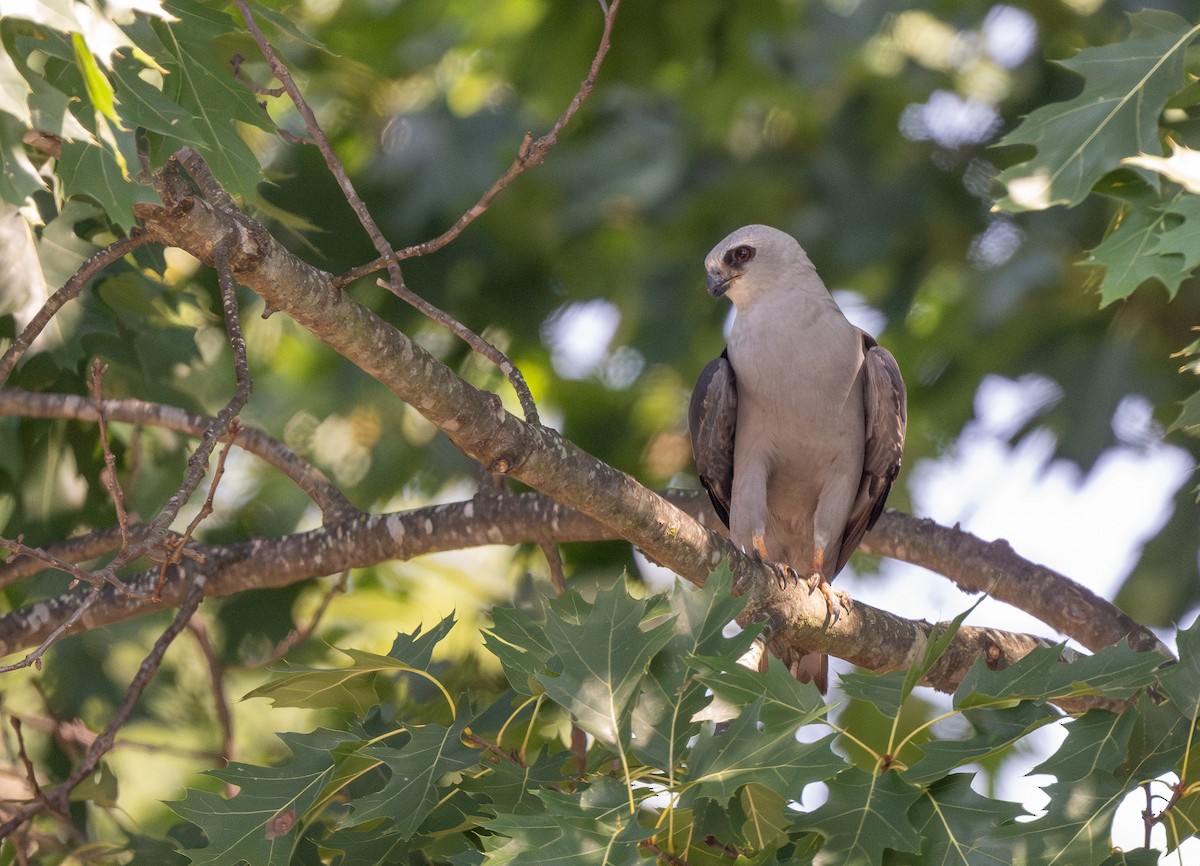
(755, 260)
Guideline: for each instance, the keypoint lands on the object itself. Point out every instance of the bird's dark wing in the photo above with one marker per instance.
(886, 419)
(712, 419)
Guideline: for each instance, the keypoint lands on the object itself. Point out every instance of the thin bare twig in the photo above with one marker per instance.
(177, 547)
(476, 342)
(109, 476)
(216, 678)
(39, 795)
(58, 798)
(530, 153)
(71, 551)
(91, 266)
(235, 63)
(18, 548)
(554, 560)
(153, 537)
(23, 755)
(298, 635)
(35, 657)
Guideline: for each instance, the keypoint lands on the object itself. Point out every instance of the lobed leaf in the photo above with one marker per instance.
(261, 825)
(721, 764)
(416, 768)
(865, 815)
(593, 829)
(1126, 86)
(958, 825)
(603, 661)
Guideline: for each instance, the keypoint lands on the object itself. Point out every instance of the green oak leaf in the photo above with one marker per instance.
(354, 687)
(203, 85)
(1028, 678)
(513, 787)
(1115, 671)
(1151, 240)
(663, 718)
(1077, 826)
(1180, 235)
(18, 178)
(260, 825)
(142, 104)
(995, 729)
(369, 847)
(351, 688)
(1188, 419)
(92, 171)
(1127, 253)
(958, 825)
(865, 815)
(604, 659)
(51, 110)
(720, 764)
(767, 816)
(594, 828)
(786, 702)
(416, 649)
(416, 767)
(1126, 86)
(522, 647)
(1181, 681)
(1097, 740)
(1158, 742)
(14, 91)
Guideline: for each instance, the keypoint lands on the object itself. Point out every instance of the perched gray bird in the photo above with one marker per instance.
(798, 427)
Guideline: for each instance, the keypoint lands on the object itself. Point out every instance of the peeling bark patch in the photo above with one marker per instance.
(428, 526)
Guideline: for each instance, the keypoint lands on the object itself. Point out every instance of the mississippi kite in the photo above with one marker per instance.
(798, 427)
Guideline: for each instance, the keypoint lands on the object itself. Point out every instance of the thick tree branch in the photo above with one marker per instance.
(866, 636)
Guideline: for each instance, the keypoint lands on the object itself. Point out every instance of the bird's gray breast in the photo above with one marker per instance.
(798, 364)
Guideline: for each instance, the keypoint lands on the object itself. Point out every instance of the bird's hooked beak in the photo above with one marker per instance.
(718, 283)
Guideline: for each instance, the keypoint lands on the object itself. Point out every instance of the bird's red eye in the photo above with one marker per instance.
(743, 254)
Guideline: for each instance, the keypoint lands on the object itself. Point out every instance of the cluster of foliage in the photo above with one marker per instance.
(1134, 97)
(422, 773)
